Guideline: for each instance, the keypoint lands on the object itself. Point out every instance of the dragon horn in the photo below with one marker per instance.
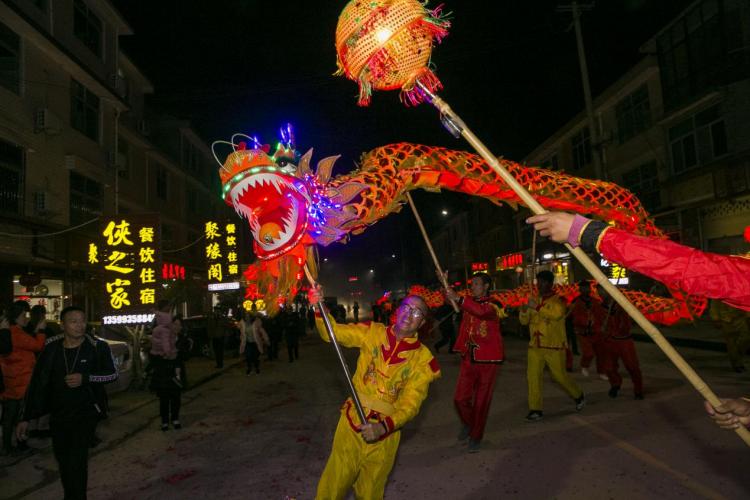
(304, 163)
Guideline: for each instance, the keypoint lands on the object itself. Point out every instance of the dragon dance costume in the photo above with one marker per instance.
(391, 380)
(547, 349)
(723, 277)
(481, 347)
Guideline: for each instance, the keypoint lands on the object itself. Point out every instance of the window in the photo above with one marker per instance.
(695, 52)
(581, 144)
(41, 5)
(633, 114)
(162, 179)
(122, 161)
(84, 110)
(10, 60)
(644, 182)
(551, 162)
(190, 157)
(11, 178)
(192, 201)
(87, 27)
(698, 140)
(85, 199)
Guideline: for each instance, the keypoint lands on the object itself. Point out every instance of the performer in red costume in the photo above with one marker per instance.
(619, 345)
(481, 347)
(723, 277)
(587, 314)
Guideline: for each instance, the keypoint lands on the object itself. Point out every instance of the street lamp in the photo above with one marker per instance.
(372, 270)
(444, 212)
(393, 255)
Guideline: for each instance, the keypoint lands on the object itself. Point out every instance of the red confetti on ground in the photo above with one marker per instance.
(180, 476)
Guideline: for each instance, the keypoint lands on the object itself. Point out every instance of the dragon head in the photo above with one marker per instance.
(268, 195)
(288, 208)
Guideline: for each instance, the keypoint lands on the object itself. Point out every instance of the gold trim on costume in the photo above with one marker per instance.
(599, 239)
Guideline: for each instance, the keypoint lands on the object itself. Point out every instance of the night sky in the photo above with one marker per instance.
(509, 68)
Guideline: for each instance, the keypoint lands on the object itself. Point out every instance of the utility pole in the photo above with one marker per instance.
(575, 9)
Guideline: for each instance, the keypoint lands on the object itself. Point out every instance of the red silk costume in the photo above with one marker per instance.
(723, 277)
(481, 347)
(587, 322)
(619, 345)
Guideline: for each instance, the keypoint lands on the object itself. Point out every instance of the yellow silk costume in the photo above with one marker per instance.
(547, 348)
(391, 380)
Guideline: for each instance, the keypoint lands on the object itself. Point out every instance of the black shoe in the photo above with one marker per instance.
(580, 402)
(638, 396)
(473, 446)
(164, 427)
(613, 391)
(534, 416)
(463, 434)
(176, 424)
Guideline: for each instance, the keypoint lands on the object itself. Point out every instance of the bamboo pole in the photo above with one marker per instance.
(337, 347)
(458, 128)
(441, 275)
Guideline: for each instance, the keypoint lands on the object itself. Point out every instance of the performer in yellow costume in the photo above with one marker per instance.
(546, 321)
(393, 373)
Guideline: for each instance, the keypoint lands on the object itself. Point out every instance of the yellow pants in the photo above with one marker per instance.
(356, 464)
(554, 359)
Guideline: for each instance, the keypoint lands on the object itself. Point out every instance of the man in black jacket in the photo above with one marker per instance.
(68, 383)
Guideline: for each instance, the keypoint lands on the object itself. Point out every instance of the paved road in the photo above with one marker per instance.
(267, 437)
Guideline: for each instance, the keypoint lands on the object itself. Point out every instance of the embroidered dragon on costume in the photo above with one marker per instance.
(290, 207)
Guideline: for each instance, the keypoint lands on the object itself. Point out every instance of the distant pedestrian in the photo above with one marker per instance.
(68, 384)
(17, 368)
(185, 346)
(216, 330)
(291, 325)
(275, 331)
(445, 315)
(355, 308)
(253, 339)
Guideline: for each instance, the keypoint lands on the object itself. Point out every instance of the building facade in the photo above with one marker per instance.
(77, 142)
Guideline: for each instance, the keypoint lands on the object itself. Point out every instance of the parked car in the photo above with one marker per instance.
(196, 327)
(122, 353)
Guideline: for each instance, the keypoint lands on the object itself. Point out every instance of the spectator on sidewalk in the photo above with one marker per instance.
(291, 326)
(68, 383)
(38, 325)
(253, 339)
(17, 368)
(166, 381)
(275, 332)
(216, 330)
(355, 309)
(185, 346)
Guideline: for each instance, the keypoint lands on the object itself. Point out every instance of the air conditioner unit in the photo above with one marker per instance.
(143, 127)
(46, 121)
